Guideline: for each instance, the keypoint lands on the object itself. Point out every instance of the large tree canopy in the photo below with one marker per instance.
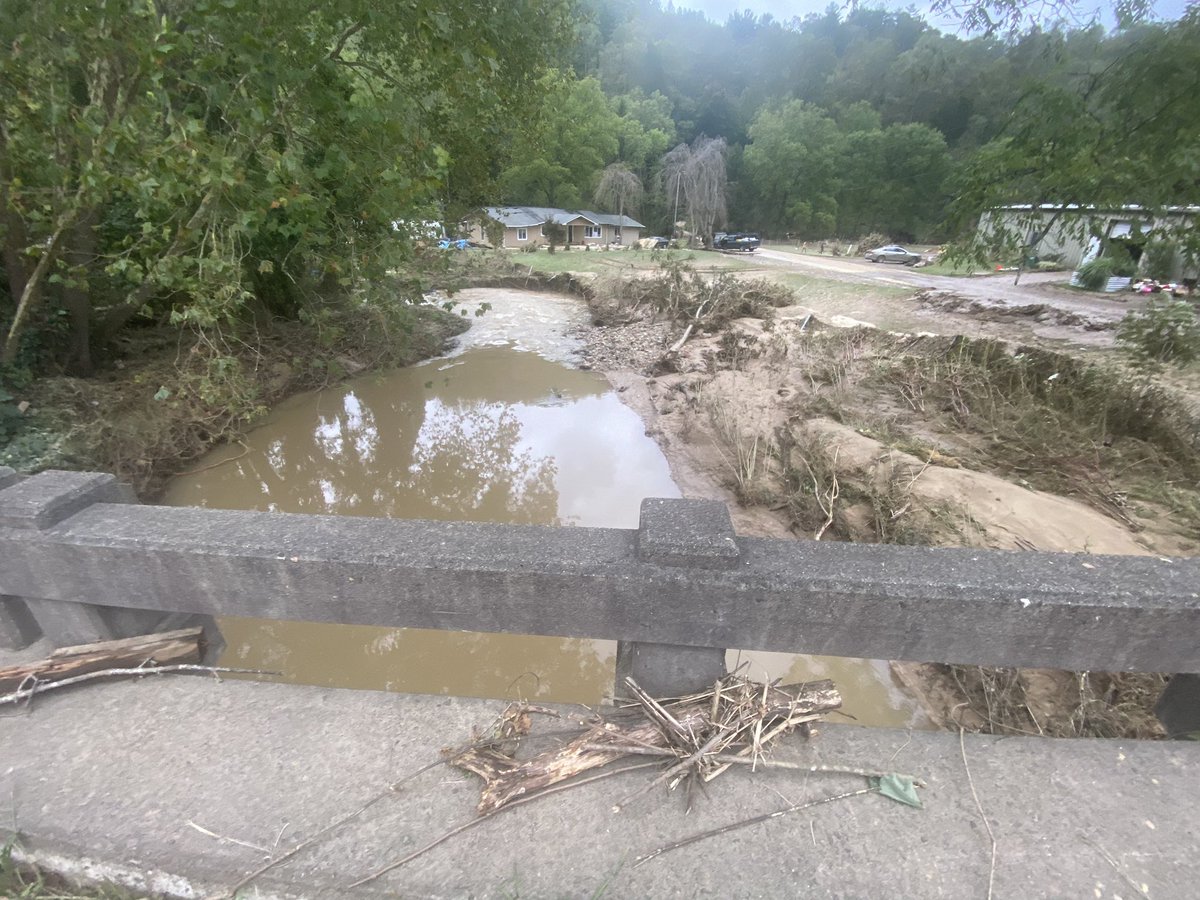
(202, 157)
(558, 160)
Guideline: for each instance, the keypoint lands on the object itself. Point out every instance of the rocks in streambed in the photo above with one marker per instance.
(632, 345)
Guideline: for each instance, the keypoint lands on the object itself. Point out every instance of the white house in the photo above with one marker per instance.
(1075, 234)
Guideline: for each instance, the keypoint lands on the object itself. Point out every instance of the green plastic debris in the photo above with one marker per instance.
(899, 788)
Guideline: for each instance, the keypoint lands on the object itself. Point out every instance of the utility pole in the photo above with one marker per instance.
(675, 218)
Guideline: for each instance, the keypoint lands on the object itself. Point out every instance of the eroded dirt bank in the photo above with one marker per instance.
(849, 433)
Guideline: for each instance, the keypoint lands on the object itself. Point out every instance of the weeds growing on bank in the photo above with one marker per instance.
(1058, 424)
(173, 394)
(20, 882)
(1087, 704)
(1119, 441)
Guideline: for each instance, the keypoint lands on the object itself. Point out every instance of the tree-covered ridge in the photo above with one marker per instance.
(870, 120)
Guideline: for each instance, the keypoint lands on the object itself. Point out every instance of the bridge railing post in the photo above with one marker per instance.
(688, 534)
(18, 628)
(1178, 707)
(40, 502)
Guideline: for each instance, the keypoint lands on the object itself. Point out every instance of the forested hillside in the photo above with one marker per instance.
(866, 120)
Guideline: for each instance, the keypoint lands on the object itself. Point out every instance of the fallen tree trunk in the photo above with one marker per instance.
(167, 648)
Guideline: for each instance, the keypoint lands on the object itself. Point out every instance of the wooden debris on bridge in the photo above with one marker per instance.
(183, 646)
(697, 737)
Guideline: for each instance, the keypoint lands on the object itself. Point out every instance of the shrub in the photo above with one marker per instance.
(555, 234)
(493, 231)
(1095, 274)
(1158, 260)
(872, 241)
(1122, 259)
(1167, 331)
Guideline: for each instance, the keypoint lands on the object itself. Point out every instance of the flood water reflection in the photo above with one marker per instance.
(504, 429)
(491, 435)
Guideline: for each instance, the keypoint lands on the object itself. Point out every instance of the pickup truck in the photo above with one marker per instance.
(735, 240)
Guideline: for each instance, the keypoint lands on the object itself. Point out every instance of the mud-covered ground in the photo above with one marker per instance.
(820, 427)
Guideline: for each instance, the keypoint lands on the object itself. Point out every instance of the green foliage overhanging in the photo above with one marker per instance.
(202, 160)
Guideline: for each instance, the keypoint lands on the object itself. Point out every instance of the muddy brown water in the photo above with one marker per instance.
(505, 429)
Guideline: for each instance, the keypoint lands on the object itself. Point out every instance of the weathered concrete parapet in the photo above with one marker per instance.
(655, 586)
(878, 601)
(42, 501)
(689, 533)
(49, 497)
(696, 533)
(18, 628)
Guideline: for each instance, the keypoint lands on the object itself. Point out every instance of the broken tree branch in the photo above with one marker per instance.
(185, 645)
(41, 688)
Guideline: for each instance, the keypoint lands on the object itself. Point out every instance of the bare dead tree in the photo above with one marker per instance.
(706, 199)
(619, 187)
(697, 173)
(670, 178)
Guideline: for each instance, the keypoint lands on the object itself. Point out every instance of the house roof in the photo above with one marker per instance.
(527, 216)
(1128, 208)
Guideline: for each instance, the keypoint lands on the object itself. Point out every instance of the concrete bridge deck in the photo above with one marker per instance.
(114, 773)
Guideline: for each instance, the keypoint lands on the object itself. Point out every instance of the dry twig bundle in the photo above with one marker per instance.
(698, 737)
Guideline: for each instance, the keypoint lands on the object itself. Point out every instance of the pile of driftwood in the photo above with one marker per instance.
(691, 740)
(696, 737)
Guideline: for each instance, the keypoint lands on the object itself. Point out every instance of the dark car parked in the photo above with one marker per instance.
(735, 240)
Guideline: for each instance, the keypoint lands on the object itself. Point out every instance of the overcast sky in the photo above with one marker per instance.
(719, 10)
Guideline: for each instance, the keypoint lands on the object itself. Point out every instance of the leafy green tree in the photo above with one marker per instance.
(555, 234)
(557, 160)
(793, 162)
(213, 159)
(1113, 131)
(1166, 331)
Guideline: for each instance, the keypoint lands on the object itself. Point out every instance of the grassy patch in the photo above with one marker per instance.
(954, 270)
(812, 289)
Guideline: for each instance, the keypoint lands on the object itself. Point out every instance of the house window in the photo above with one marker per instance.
(592, 231)
(522, 234)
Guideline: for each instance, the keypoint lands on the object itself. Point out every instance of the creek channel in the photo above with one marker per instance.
(505, 428)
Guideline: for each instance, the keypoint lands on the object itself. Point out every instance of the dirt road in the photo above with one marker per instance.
(1035, 287)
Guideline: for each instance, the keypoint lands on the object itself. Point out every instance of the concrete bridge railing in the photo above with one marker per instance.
(81, 560)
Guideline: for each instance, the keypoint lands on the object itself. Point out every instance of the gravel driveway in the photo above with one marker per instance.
(1035, 287)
